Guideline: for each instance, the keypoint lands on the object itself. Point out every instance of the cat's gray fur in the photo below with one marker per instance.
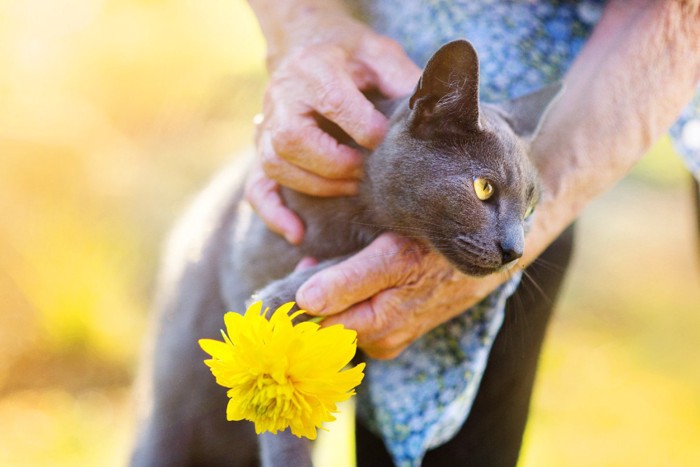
(419, 182)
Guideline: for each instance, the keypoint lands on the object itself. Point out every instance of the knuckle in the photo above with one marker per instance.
(285, 139)
(401, 251)
(381, 318)
(411, 255)
(270, 162)
(332, 100)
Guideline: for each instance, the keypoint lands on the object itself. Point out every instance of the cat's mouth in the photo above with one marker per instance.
(475, 259)
(467, 262)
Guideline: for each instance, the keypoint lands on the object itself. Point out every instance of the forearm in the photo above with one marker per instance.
(639, 69)
(290, 24)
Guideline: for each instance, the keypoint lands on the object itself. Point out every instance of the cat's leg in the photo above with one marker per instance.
(184, 410)
(492, 434)
(284, 290)
(284, 450)
(186, 423)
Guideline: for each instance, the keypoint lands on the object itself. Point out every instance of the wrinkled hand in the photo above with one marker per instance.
(323, 80)
(391, 293)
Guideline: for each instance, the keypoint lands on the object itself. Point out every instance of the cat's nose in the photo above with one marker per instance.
(509, 254)
(512, 245)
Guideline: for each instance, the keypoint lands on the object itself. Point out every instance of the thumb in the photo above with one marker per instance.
(389, 261)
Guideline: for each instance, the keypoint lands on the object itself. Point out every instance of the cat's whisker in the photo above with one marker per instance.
(518, 312)
(529, 276)
(549, 265)
(395, 228)
(406, 232)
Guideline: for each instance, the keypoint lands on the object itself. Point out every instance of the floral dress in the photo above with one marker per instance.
(422, 398)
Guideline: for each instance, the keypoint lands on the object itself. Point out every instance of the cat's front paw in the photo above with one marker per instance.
(275, 295)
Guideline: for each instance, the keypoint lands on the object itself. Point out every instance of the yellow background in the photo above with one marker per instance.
(114, 112)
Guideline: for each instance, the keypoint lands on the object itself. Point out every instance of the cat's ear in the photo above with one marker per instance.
(446, 99)
(526, 114)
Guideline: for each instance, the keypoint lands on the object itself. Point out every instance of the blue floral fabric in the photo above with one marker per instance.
(422, 398)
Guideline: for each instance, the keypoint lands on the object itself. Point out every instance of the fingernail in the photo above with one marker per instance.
(312, 298)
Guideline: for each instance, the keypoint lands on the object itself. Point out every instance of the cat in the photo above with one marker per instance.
(452, 173)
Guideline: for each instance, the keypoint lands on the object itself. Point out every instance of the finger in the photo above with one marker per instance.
(362, 318)
(299, 179)
(301, 142)
(305, 263)
(263, 195)
(306, 182)
(373, 336)
(385, 349)
(336, 96)
(395, 73)
(388, 261)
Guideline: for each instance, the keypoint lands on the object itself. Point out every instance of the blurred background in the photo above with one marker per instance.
(113, 113)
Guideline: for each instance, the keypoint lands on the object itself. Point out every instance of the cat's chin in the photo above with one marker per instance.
(471, 269)
(481, 271)
(476, 271)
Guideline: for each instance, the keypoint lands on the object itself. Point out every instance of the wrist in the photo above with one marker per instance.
(292, 25)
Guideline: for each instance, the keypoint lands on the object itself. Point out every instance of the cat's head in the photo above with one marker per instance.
(456, 172)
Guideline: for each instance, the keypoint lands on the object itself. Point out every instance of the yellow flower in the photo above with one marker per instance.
(283, 375)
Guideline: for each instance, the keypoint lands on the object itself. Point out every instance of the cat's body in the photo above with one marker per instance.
(420, 182)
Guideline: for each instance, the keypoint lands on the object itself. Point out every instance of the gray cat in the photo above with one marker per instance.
(452, 173)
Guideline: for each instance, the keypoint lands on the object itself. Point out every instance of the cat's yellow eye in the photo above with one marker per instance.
(529, 212)
(483, 188)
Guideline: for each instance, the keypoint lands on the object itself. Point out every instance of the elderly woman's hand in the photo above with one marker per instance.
(392, 292)
(322, 79)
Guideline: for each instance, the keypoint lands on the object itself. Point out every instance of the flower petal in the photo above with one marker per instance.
(283, 375)
(217, 349)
